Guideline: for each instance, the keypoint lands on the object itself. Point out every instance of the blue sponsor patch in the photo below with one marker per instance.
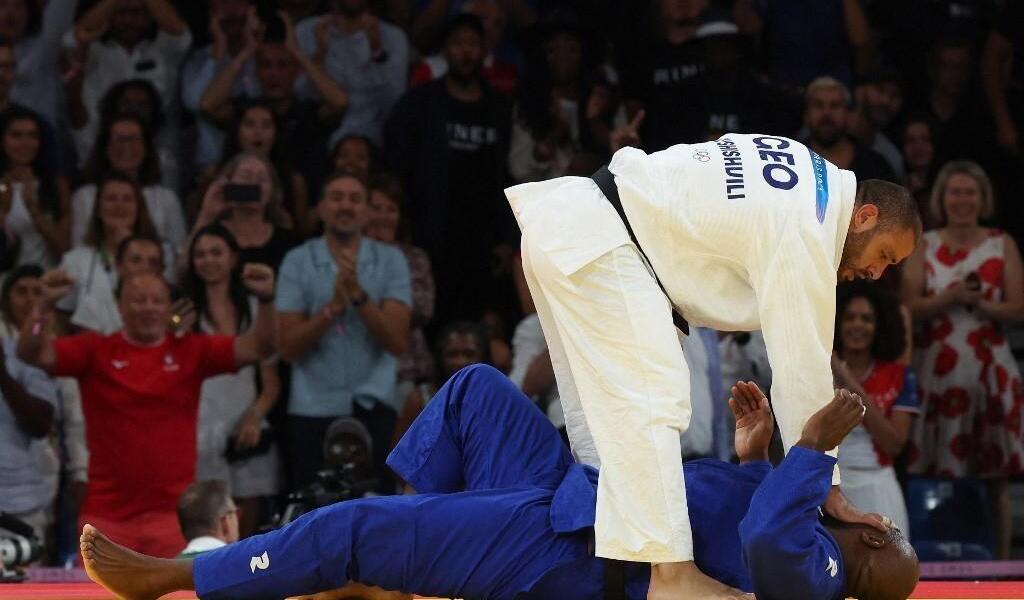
(820, 184)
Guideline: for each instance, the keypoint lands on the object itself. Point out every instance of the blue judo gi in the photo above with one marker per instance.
(504, 512)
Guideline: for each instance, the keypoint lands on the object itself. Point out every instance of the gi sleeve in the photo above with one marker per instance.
(788, 554)
(796, 297)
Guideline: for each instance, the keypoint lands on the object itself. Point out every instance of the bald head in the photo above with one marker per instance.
(144, 300)
(878, 566)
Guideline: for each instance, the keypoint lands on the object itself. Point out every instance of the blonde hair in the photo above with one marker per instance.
(961, 167)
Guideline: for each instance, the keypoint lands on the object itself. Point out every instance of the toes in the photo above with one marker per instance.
(88, 533)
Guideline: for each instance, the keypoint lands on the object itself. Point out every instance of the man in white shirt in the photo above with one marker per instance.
(208, 517)
(747, 232)
(122, 40)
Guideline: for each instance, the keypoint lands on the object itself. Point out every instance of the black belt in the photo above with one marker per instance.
(606, 183)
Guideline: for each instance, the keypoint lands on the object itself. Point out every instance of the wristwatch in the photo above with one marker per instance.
(357, 302)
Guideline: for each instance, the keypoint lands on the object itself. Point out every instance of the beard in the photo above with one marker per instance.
(464, 74)
(827, 134)
(853, 250)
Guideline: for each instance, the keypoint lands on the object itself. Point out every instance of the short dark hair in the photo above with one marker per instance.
(472, 328)
(199, 507)
(344, 174)
(14, 276)
(890, 334)
(459, 22)
(122, 246)
(372, 149)
(896, 206)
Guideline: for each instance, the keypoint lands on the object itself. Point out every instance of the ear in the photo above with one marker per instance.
(873, 539)
(865, 218)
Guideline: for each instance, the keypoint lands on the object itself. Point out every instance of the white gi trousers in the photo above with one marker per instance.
(625, 390)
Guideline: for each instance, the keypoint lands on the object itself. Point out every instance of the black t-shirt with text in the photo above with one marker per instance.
(656, 74)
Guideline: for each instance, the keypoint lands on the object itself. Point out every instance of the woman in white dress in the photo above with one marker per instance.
(235, 440)
(34, 205)
(869, 360)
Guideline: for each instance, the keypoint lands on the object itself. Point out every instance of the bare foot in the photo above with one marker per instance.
(676, 581)
(127, 573)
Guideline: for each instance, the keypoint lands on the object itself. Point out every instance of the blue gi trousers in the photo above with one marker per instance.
(503, 512)
(486, 469)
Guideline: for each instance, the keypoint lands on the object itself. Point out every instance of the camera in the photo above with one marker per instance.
(348, 474)
(247, 193)
(18, 548)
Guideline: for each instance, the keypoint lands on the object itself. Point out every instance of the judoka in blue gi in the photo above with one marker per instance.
(503, 512)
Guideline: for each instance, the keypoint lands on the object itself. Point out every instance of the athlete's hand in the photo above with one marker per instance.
(754, 422)
(827, 427)
(839, 507)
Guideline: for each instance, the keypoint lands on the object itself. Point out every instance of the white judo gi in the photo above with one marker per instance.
(745, 233)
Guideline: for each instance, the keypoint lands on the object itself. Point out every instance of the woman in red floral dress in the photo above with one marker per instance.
(966, 280)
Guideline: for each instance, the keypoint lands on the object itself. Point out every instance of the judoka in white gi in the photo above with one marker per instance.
(747, 232)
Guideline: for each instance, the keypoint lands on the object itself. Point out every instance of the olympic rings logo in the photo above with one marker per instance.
(701, 155)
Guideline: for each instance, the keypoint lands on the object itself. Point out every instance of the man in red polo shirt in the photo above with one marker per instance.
(140, 396)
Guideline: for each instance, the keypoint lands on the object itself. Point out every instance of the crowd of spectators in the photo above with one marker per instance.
(224, 224)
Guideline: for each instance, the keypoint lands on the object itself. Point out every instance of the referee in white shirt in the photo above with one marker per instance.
(747, 232)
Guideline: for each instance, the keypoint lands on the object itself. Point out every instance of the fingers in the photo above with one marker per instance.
(743, 396)
(637, 119)
(850, 411)
(737, 411)
(875, 521)
(758, 394)
(257, 272)
(346, 261)
(56, 277)
(752, 395)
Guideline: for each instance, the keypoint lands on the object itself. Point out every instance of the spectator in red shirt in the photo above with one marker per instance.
(140, 395)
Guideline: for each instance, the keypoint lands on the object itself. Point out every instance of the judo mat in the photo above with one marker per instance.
(930, 590)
